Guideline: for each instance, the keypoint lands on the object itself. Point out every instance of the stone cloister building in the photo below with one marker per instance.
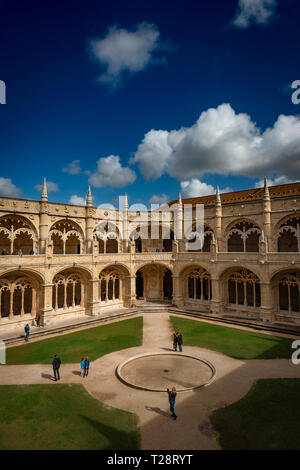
(57, 262)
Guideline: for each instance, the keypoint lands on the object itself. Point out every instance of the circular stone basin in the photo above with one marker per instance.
(158, 371)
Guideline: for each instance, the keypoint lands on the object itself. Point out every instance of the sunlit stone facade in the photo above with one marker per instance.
(59, 265)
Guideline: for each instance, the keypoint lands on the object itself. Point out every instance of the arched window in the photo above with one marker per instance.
(109, 286)
(17, 233)
(244, 237)
(288, 290)
(67, 238)
(199, 285)
(205, 241)
(244, 289)
(107, 235)
(16, 297)
(67, 291)
(288, 238)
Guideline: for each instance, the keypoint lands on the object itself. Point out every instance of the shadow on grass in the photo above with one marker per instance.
(113, 435)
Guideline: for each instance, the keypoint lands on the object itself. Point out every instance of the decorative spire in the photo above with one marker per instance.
(262, 236)
(218, 198)
(44, 195)
(89, 200)
(266, 193)
(179, 199)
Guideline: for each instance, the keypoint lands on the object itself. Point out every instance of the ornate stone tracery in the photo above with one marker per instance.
(243, 237)
(244, 289)
(67, 291)
(17, 297)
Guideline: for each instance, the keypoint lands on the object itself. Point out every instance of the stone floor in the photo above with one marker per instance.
(192, 429)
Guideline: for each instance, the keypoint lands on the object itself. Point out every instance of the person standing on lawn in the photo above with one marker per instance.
(56, 365)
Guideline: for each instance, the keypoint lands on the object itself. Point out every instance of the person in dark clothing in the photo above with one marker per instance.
(38, 319)
(56, 365)
(179, 340)
(4, 252)
(27, 331)
(172, 398)
(175, 342)
(86, 366)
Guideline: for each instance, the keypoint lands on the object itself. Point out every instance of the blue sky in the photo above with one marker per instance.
(148, 98)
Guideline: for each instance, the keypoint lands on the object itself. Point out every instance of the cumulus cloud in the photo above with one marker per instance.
(156, 199)
(254, 11)
(51, 187)
(8, 189)
(273, 182)
(77, 200)
(123, 51)
(110, 172)
(222, 142)
(197, 188)
(73, 168)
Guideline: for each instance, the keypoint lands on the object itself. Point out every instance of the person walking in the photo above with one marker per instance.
(82, 365)
(20, 252)
(56, 365)
(86, 366)
(172, 399)
(175, 341)
(27, 331)
(179, 340)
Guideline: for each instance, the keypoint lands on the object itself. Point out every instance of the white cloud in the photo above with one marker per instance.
(51, 187)
(77, 200)
(122, 51)
(197, 188)
(275, 181)
(222, 142)
(153, 154)
(254, 11)
(156, 199)
(73, 168)
(110, 172)
(8, 189)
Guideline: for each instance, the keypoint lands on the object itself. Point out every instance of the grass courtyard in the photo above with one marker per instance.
(267, 418)
(239, 344)
(62, 417)
(93, 342)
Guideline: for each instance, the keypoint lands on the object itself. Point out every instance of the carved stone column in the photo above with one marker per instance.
(178, 297)
(47, 312)
(217, 300)
(267, 302)
(93, 304)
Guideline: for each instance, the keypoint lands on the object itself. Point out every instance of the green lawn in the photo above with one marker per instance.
(240, 344)
(62, 417)
(266, 418)
(93, 342)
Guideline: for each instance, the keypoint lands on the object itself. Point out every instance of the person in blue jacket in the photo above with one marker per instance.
(27, 331)
(86, 366)
(172, 398)
(82, 365)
